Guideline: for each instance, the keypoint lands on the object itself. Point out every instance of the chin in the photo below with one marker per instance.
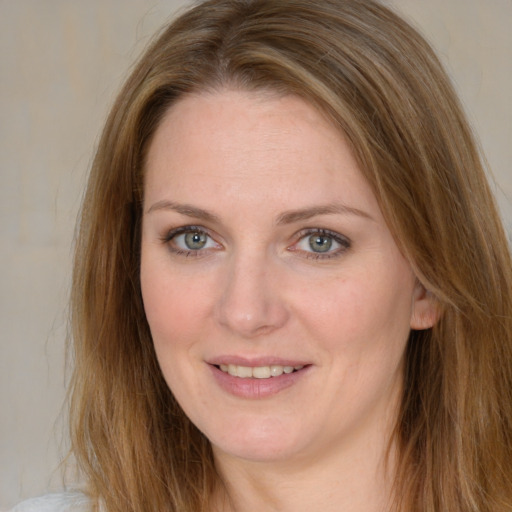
(268, 441)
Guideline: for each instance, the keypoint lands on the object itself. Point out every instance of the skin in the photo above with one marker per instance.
(259, 288)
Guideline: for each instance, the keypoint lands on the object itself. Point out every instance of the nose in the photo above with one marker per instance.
(251, 303)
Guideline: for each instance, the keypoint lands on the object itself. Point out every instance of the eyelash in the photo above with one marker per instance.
(341, 240)
(171, 235)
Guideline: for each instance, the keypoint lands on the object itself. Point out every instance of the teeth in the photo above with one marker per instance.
(275, 371)
(241, 371)
(260, 372)
(257, 372)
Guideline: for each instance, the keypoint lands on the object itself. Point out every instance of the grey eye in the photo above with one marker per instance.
(195, 240)
(320, 243)
(191, 240)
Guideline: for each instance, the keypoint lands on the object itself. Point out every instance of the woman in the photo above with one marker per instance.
(292, 290)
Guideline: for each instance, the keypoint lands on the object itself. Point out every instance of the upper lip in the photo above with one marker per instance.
(256, 361)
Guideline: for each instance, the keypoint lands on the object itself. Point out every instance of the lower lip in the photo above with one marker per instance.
(253, 388)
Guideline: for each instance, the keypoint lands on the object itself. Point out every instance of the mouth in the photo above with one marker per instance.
(257, 372)
(257, 380)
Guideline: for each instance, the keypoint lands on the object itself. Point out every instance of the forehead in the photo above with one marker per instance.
(225, 120)
(253, 146)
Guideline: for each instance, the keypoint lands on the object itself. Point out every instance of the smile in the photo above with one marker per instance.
(257, 372)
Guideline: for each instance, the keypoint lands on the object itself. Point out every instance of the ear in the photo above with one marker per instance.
(425, 311)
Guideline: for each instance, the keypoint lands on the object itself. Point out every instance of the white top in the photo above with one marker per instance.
(58, 502)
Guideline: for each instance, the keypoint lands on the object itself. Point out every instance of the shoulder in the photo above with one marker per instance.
(58, 502)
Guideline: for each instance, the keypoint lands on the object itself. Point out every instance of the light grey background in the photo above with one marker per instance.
(61, 62)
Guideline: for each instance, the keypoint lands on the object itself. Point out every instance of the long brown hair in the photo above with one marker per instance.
(382, 85)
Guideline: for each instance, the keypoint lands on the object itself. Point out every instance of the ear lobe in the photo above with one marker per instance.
(425, 311)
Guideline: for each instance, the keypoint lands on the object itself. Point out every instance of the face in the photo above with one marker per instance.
(277, 299)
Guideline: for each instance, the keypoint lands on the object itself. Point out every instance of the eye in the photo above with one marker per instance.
(193, 241)
(321, 243)
(190, 241)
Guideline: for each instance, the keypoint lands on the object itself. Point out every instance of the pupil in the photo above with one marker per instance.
(195, 241)
(320, 243)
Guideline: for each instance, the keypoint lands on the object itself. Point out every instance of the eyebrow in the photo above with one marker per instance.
(292, 216)
(288, 217)
(184, 209)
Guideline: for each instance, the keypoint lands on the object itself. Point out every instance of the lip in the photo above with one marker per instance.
(252, 388)
(256, 361)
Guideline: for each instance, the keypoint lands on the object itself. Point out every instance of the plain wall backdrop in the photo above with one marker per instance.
(61, 63)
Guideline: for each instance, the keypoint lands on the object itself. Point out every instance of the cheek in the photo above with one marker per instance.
(174, 304)
(363, 311)
(172, 309)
